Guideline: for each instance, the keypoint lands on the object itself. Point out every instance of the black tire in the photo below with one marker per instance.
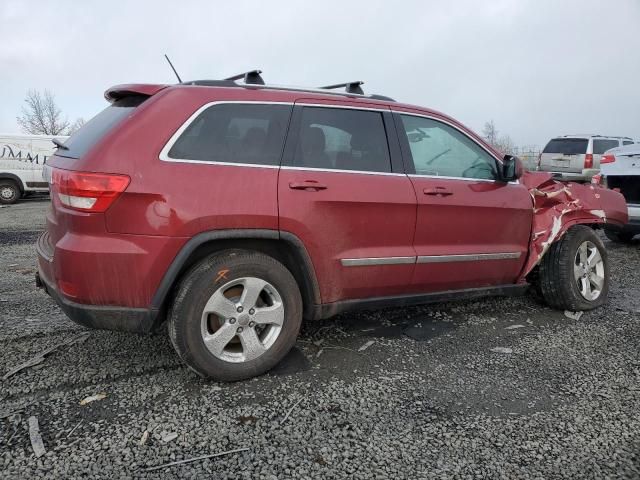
(9, 192)
(618, 236)
(557, 282)
(185, 322)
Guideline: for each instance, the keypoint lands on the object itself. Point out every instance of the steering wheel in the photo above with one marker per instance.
(430, 161)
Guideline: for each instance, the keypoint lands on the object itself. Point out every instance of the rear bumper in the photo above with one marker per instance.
(141, 320)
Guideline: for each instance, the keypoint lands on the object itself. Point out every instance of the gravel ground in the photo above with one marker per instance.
(428, 398)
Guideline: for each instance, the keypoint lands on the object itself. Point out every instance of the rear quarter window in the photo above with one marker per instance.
(567, 146)
(601, 146)
(95, 129)
(234, 133)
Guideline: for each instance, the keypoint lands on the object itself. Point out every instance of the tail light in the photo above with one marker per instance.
(608, 158)
(87, 192)
(597, 179)
(588, 160)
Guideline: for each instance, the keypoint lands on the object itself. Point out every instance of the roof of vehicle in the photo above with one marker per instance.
(590, 135)
(253, 81)
(633, 149)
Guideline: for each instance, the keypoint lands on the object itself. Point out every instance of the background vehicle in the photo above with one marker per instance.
(300, 203)
(21, 160)
(620, 169)
(577, 157)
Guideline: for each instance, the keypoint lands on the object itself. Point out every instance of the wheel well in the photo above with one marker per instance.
(282, 250)
(14, 178)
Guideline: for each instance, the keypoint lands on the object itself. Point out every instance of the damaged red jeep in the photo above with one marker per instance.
(235, 209)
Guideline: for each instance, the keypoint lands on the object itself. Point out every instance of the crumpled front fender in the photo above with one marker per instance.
(557, 206)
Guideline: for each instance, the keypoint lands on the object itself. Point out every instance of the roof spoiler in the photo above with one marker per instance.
(130, 89)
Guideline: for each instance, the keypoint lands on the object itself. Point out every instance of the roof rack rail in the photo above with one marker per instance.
(349, 87)
(252, 77)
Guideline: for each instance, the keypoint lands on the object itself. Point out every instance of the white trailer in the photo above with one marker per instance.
(22, 158)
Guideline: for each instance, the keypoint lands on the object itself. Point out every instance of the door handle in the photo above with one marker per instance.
(308, 185)
(444, 191)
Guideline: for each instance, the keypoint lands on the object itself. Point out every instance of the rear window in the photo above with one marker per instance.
(567, 146)
(235, 133)
(601, 146)
(80, 142)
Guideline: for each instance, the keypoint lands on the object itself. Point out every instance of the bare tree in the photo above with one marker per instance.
(75, 126)
(490, 133)
(502, 143)
(41, 115)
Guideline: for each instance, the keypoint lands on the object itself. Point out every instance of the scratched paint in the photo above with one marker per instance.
(559, 205)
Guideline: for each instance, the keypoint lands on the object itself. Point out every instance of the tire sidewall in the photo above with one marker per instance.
(201, 283)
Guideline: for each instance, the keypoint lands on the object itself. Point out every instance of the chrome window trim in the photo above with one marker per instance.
(374, 261)
(164, 153)
(467, 257)
(371, 261)
(337, 170)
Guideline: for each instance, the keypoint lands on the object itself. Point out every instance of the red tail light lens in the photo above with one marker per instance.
(87, 192)
(608, 158)
(588, 160)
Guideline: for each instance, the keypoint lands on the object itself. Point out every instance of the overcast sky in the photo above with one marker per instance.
(537, 68)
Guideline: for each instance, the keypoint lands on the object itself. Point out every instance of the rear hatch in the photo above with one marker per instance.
(79, 193)
(564, 155)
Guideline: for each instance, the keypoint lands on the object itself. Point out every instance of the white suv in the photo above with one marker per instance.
(577, 157)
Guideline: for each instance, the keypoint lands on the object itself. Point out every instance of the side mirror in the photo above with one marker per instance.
(511, 168)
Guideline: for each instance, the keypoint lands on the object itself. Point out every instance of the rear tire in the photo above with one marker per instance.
(9, 192)
(574, 274)
(236, 314)
(617, 236)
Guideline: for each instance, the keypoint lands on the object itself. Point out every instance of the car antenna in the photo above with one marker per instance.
(173, 68)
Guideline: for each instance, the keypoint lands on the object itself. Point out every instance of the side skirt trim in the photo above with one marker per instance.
(330, 309)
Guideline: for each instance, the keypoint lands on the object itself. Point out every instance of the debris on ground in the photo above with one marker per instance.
(291, 410)
(247, 419)
(513, 327)
(36, 439)
(502, 350)
(39, 358)
(168, 436)
(195, 459)
(74, 428)
(573, 315)
(366, 345)
(93, 398)
(144, 438)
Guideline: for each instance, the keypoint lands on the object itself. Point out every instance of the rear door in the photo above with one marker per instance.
(341, 190)
(471, 230)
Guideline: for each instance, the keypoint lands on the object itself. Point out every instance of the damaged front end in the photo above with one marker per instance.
(557, 206)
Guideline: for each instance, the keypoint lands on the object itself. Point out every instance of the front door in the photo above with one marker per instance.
(341, 191)
(472, 231)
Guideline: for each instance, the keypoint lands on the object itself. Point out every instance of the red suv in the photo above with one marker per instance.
(235, 210)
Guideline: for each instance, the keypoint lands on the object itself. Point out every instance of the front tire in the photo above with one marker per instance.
(9, 192)
(574, 274)
(236, 314)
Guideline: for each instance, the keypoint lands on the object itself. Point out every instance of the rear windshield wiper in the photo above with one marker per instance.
(59, 144)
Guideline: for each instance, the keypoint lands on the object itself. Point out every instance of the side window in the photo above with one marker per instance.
(440, 150)
(343, 139)
(601, 146)
(627, 142)
(235, 133)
